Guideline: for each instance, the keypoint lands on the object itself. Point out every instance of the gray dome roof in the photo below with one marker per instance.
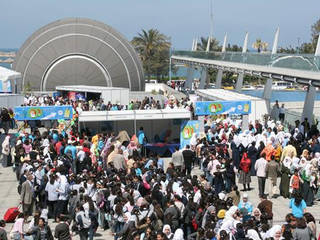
(78, 51)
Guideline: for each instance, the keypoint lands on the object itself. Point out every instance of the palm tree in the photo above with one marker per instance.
(260, 45)
(150, 44)
(202, 45)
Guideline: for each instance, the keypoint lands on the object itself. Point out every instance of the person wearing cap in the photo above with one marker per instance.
(221, 214)
(72, 149)
(244, 203)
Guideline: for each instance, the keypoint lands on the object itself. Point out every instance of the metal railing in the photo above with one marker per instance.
(307, 62)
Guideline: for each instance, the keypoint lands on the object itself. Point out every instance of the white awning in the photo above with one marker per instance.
(7, 76)
(96, 116)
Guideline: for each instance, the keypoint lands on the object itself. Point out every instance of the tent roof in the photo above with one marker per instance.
(6, 74)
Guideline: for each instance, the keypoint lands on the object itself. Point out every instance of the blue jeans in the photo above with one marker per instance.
(210, 178)
(117, 228)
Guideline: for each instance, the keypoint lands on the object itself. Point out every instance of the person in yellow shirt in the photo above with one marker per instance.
(277, 152)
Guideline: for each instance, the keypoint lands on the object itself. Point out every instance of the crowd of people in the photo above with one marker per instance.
(85, 182)
(82, 104)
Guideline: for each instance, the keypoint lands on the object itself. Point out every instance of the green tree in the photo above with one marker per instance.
(214, 44)
(233, 48)
(27, 88)
(306, 48)
(153, 48)
(315, 30)
(289, 50)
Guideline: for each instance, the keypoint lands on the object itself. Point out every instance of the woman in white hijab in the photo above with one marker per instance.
(178, 234)
(253, 235)
(285, 177)
(167, 231)
(5, 151)
(274, 233)
(193, 140)
(230, 220)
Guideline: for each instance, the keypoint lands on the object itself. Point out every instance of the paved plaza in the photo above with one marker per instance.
(9, 198)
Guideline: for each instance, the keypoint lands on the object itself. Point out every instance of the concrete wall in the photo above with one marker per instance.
(116, 96)
(298, 107)
(258, 110)
(11, 100)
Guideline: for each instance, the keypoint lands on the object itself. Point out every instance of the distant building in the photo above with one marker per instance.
(78, 51)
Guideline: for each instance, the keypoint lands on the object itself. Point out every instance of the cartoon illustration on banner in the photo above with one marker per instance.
(43, 113)
(188, 128)
(223, 107)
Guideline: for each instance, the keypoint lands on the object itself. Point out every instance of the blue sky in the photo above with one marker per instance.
(182, 20)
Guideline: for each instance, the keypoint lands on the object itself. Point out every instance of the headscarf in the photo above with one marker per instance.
(305, 153)
(230, 212)
(271, 233)
(178, 234)
(253, 235)
(256, 210)
(167, 227)
(296, 132)
(236, 140)
(314, 165)
(193, 140)
(46, 143)
(295, 162)
(6, 145)
(287, 162)
(303, 163)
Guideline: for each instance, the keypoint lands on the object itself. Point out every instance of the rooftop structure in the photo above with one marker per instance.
(78, 51)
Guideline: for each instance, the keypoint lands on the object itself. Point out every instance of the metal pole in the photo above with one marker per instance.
(135, 123)
(170, 62)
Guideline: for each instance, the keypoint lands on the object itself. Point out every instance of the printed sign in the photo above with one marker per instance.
(223, 107)
(188, 128)
(43, 113)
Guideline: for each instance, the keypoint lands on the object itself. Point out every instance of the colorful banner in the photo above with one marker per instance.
(188, 128)
(43, 113)
(223, 107)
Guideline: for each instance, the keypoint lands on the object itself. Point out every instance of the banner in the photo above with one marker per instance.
(223, 107)
(188, 128)
(43, 113)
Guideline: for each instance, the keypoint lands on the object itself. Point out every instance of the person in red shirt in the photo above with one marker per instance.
(295, 182)
(59, 145)
(245, 177)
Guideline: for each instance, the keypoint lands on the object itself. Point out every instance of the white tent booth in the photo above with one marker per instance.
(10, 81)
(153, 121)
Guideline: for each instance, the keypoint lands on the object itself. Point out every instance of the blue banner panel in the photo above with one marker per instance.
(43, 113)
(188, 128)
(223, 107)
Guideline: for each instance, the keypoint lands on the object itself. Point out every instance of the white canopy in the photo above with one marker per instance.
(8, 78)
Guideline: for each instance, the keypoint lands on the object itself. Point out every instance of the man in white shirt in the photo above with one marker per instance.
(260, 167)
